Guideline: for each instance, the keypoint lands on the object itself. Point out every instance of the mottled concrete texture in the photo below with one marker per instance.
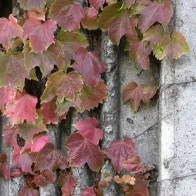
(178, 111)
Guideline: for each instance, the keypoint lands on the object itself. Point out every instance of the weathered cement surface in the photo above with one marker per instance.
(178, 110)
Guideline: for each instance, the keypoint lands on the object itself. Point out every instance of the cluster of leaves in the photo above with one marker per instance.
(46, 45)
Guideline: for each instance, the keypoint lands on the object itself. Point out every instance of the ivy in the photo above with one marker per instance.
(47, 46)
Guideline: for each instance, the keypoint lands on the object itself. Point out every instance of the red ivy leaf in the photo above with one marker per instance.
(88, 191)
(91, 97)
(27, 191)
(7, 96)
(63, 86)
(53, 56)
(90, 20)
(136, 93)
(41, 35)
(38, 142)
(67, 182)
(120, 151)
(87, 128)
(117, 22)
(139, 52)
(45, 177)
(68, 15)
(9, 29)
(83, 151)
(156, 12)
(89, 66)
(27, 111)
(48, 158)
(97, 3)
(48, 112)
(12, 70)
(10, 136)
(133, 164)
(32, 4)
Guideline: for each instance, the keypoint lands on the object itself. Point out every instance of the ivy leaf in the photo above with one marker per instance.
(90, 20)
(117, 22)
(25, 161)
(27, 130)
(12, 70)
(74, 40)
(32, 4)
(49, 112)
(88, 191)
(7, 96)
(155, 12)
(128, 3)
(53, 56)
(10, 136)
(136, 93)
(89, 66)
(174, 47)
(120, 151)
(27, 111)
(27, 191)
(39, 15)
(63, 86)
(133, 164)
(67, 182)
(87, 128)
(41, 35)
(83, 151)
(97, 3)
(38, 142)
(139, 52)
(45, 177)
(91, 97)
(48, 158)
(9, 29)
(68, 15)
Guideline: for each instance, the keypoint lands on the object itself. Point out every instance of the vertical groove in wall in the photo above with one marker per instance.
(110, 109)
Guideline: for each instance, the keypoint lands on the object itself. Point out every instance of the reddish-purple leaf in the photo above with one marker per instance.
(119, 152)
(117, 22)
(156, 12)
(90, 20)
(7, 96)
(88, 191)
(97, 3)
(32, 4)
(25, 161)
(139, 52)
(83, 151)
(47, 158)
(10, 136)
(68, 15)
(9, 29)
(45, 177)
(88, 129)
(136, 93)
(53, 56)
(12, 70)
(27, 111)
(48, 112)
(63, 86)
(27, 191)
(67, 183)
(27, 130)
(89, 66)
(91, 97)
(38, 142)
(133, 164)
(41, 35)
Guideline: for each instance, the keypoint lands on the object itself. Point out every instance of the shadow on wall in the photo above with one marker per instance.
(5, 8)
